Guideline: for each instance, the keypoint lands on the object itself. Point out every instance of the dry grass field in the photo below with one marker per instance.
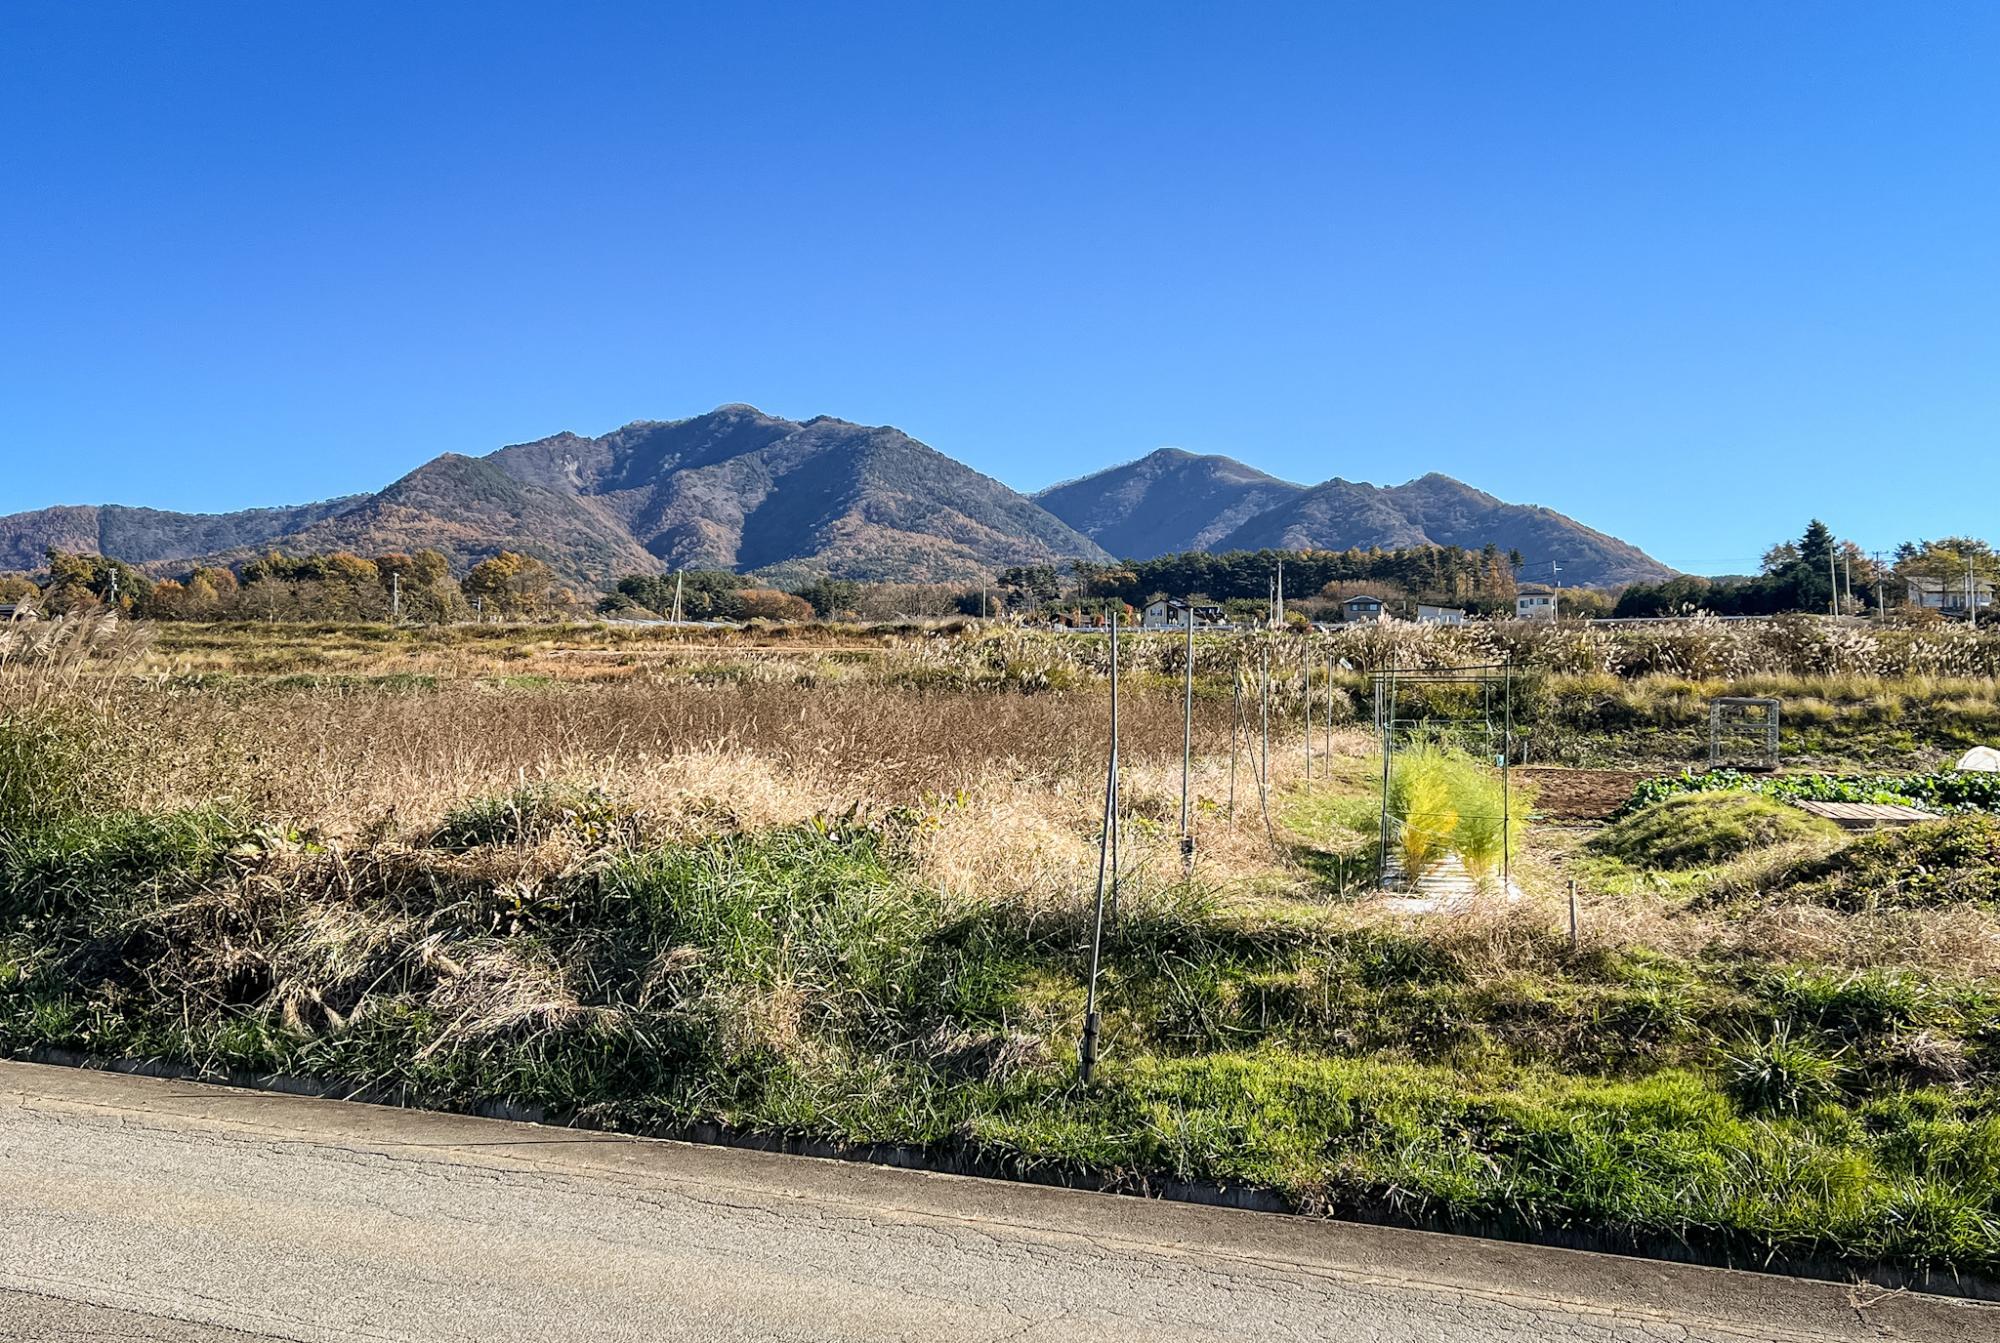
(837, 884)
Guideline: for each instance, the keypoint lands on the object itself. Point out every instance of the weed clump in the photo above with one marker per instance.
(1780, 1073)
(1701, 829)
(533, 814)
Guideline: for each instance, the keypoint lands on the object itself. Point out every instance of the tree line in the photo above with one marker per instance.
(1804, 575)
(335, 585)
(1816, 574)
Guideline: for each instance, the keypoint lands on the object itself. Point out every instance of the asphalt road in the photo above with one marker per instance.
(133, 1208)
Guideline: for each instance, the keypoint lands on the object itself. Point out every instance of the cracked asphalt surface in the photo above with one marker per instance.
(135, 1208)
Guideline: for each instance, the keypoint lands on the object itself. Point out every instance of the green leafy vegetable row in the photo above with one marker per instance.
(1946, 792)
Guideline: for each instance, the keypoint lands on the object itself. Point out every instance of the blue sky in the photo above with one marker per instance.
(1691, 272)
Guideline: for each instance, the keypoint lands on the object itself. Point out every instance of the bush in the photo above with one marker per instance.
(1421, 802)
(1443, 802)
(1699, 829)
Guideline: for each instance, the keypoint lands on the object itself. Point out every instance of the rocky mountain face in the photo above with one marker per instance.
(739, 489)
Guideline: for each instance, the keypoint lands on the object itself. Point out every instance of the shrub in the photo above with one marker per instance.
(1699, 829)
(1443, 802)
(1422, 803)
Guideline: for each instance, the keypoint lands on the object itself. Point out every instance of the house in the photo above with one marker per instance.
(1440, 615)
(1535, 602)
(1363, 607)
(1948, 595)
(13, 611)
(1169, 613)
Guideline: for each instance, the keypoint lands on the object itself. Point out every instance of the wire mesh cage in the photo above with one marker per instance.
(1743, 732)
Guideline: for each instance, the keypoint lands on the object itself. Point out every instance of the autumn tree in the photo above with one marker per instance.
(516, 585)
(771, 604)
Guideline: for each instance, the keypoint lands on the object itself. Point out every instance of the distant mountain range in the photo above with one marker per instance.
(1172, 501)
(739, 489)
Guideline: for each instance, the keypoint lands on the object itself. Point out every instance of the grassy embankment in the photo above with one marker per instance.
(785, 901)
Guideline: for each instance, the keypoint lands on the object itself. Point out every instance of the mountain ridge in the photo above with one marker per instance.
(741, 489)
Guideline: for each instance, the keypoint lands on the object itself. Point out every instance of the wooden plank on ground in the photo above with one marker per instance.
(1865, 815)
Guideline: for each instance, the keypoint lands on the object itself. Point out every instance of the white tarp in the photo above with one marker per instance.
(1982, 758)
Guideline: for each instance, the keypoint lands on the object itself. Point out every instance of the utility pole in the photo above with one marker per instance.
(395, 599)
(1555, 591)
(677, 597)
(1971, 595)
(114, 589)
(1847, 578)
(1881, 601)
(1833, 582)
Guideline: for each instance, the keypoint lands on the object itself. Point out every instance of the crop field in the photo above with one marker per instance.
(837, 884)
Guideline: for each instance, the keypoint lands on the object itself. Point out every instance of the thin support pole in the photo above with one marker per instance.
(1507, 789)
(1575, 921)
(1086, 1049)
(1187, 753)
(1306, 669)
(1264, 716)
(1235, 733)
(1385, 708)
(1329, 715)
(1117, 612)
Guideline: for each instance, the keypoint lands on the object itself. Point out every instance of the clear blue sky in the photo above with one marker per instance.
(1689, 271)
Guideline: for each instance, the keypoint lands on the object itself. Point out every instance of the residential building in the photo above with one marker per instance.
(1170, 613)
(1948, 595)
(1363, 607)
(1440, 615)
(1532, 601)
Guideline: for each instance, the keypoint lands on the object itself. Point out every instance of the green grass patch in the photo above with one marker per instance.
(1702, 829)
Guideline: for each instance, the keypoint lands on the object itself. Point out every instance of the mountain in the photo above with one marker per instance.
(1437, 510)
(469, 508)
(734, 488)
(1165, 503)
(147, 535)
(739, 489)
